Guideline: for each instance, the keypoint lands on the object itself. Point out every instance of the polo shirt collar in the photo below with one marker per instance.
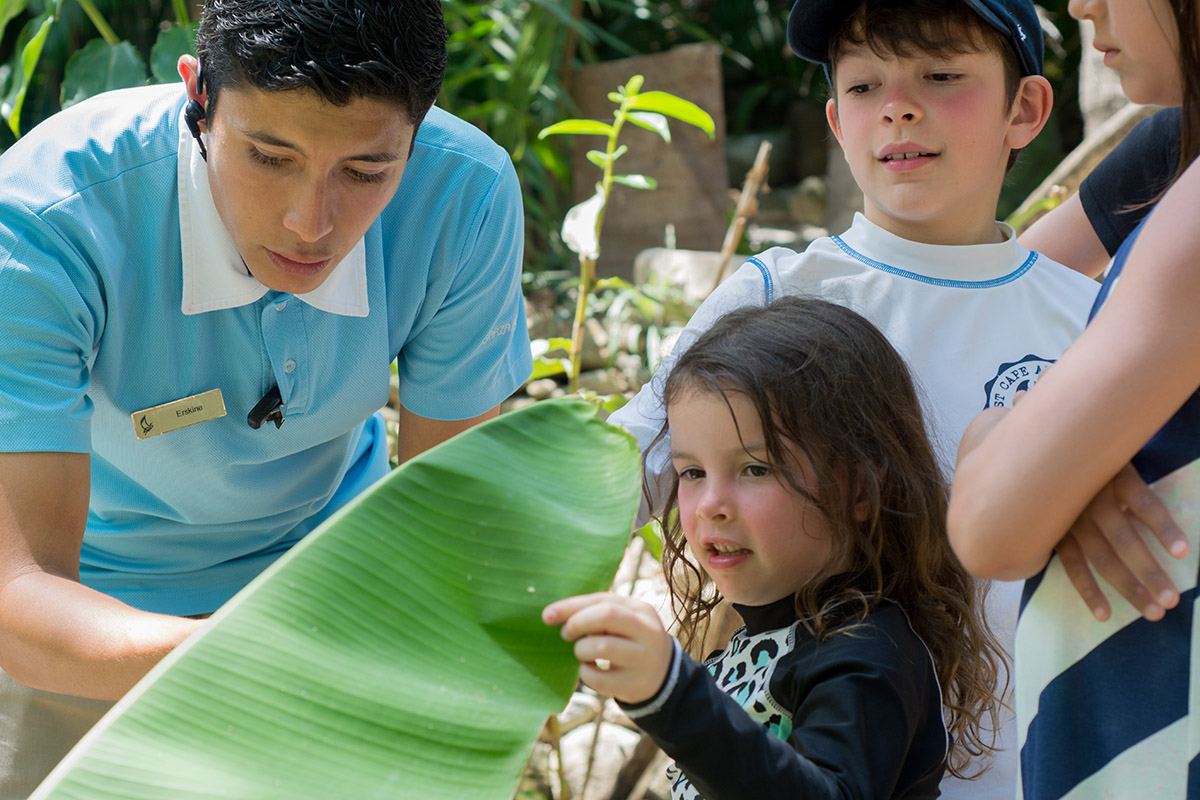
(214, 275)
(969, 263)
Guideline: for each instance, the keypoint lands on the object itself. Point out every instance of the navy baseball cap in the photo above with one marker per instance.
(812, 22)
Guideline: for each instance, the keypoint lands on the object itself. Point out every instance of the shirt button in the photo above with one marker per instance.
(281, 306)
(289, 366)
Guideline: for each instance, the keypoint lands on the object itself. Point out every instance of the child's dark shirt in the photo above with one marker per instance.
(779, 714)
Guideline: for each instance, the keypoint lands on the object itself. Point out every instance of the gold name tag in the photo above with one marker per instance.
(178, 414)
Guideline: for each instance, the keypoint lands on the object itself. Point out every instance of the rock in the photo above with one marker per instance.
(806, 203)
(604, 381)
(613, 747)
(741, 151)
(541, 389)
(692, 271)
(808, 131)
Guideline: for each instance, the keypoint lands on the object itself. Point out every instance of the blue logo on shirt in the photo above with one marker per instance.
(1013, 377)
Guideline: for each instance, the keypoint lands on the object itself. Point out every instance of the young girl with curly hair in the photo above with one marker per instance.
(808, 495)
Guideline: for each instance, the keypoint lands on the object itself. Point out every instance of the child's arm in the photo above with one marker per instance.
(1104, 538)
(1066, 235)
(855, 711)
(1021, 488)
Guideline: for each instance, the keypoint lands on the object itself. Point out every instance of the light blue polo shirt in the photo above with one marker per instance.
(121, 291)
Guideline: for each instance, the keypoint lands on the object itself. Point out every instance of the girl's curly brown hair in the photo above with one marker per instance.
(824, 379)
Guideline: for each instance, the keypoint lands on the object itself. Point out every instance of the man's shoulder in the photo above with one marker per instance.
(93, 142)
(443, 136)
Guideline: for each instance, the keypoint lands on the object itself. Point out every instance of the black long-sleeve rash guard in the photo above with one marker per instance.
(779, 714)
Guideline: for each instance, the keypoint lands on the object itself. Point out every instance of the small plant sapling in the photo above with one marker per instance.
(583, 223)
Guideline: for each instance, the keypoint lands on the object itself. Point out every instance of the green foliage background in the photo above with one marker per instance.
(511, 62)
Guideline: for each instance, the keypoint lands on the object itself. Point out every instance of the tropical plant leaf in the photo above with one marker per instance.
(648, 533)
(172, 43)
(652, 122)
(602, 159)
(398, 651)
(37, 29)
(676, 107)
(636, 181)
(541, 347)
(8, 10)
(576, 126)
(546, 367)
(100, 67)
(579, 228)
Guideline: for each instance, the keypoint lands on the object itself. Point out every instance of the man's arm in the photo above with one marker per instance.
(418, 434)
(55, 633)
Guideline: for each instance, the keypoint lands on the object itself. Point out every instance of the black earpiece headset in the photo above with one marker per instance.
(195, 112)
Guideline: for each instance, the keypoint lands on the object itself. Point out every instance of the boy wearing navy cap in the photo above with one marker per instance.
(930, 100)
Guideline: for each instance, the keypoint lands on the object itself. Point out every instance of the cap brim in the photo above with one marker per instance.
(810, 24)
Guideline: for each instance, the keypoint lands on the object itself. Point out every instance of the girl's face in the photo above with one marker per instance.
(758, 539)
(1140, 40)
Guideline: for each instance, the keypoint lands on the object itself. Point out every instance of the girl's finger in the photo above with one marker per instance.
(560, 611)
(616, 651)
(1121, 558)
(617, 616)
(1075, 565)
(1142, 502)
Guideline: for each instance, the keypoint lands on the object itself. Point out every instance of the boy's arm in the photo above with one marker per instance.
(55, 633)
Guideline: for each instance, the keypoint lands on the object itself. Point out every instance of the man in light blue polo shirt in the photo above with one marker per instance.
(201, 289)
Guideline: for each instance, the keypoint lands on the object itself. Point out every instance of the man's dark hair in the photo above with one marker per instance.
(389, 50)
(905, 28)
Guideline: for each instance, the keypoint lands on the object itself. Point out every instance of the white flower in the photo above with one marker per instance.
(579, 227)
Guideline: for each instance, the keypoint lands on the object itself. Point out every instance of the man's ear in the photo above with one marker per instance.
(189, 70)
(831, 116)
(1030, 111)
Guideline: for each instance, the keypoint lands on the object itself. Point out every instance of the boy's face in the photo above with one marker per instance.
(927, 138)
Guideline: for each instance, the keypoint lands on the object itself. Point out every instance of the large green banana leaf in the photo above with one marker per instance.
(398, 651)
